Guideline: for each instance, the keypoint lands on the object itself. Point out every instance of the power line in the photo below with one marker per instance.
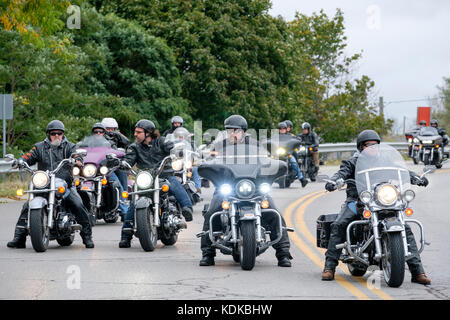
(401, 101)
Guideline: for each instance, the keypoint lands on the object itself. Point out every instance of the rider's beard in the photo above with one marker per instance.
(56, 143)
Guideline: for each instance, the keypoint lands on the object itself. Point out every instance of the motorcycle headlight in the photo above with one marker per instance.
(302, 149)
(365, 197)
(144, 180)
(410, 140)
(280, 151)
(103, 170)
(245, 188)
(89, 170)
(409, 195)
(40, 179)
(225, 189)
(416, 140)
(264, 188)
(76, 171)
(177, 165)
(387, 195)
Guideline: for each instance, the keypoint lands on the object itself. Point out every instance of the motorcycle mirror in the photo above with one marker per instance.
(111, 156)
(9, 157)
(80, 152)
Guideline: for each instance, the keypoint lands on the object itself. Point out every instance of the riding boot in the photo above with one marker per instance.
(20, 239)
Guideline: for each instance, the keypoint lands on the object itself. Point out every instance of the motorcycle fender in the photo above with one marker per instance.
(247, 215)
(38, 203)
(393, 226)
(143, 202)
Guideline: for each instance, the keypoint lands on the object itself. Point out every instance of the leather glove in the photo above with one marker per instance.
(330, 186)
(423, 182)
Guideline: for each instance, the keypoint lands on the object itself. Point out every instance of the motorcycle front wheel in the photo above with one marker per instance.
(393, 260)
(146, 229)
(39, 230)
(247, 248)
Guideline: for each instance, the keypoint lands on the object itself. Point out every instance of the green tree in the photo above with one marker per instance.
(442, 112)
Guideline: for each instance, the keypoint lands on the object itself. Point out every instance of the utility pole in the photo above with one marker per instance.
(404, 124)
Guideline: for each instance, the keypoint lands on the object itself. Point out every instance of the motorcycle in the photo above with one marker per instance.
(383, 183)
(281, 147)
(100, 195)
(414, 145)
(183, 168)
(305, 161)
(48, 218)
(157, 215)
(431, 147)
(244, 178)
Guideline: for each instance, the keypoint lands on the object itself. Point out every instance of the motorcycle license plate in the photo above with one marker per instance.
(87, 186)
(427, 151)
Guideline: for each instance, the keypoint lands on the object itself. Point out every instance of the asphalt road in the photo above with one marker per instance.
(172, 272)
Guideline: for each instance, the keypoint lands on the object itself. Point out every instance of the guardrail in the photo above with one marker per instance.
(5, 166)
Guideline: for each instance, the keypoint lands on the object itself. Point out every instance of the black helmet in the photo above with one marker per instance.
(289, 123)
(236, 122)
(423, 122)
(55, 125)
(306, 125)
(145, 124)
(282, 125)
(434, 121)
(98, 125)
(366, 135)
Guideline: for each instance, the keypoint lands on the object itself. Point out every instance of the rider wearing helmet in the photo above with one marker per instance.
(352, 209)
(176, 122)
(289, 125)
(48, 154)
(236, 126)
(113, 134)
(310, 138)
(434, 123)
(147, 153)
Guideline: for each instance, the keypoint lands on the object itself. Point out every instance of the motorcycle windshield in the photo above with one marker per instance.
(380, 164)
(286, 141)
(428, 131)
(97, 148)
(239, 161)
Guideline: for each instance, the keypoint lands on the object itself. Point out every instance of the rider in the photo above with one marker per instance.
(290, 125)
(352, 205)
(48, 154)
(113, 134)
(434, 123)
(147, 152)
(176, 122)
(310, 138)
(283, 129)
(236, 126)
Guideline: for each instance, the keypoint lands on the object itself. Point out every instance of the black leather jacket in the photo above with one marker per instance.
(117, 139)
(48, 157)
(149, 156)
(311, 139)
(347, 171)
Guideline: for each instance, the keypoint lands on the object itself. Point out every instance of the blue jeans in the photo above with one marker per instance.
(115, 177)
(295, 167)
(176, 189)
(196, 177)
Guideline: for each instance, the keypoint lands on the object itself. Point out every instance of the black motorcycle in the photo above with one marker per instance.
(378, 238)
(282, 147)
(306, 161)
(157, 215)
(48, 218)
(431, 147)
(244, 178)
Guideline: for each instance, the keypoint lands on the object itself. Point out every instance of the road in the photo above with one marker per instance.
(172, 272)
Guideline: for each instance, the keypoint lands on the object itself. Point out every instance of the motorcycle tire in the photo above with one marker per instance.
(393, 261)
(146, 229)
(247, 248)
(66, 241)
(236, 256)
(39, 231)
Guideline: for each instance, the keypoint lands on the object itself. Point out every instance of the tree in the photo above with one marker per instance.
(442, 111)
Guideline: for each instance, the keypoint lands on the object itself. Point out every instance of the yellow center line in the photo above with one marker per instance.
(300, 221)
(312, 255)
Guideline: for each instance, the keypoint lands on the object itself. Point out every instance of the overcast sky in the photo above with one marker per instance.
(405, 45)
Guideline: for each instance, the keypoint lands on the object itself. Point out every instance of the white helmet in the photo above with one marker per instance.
(110, 123)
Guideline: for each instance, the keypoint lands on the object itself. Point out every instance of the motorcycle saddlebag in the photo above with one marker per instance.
(323, 229)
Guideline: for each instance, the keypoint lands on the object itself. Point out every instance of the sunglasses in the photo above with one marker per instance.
(59, 133)
(98, 131)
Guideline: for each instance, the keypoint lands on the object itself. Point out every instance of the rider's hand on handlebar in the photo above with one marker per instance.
(329, 186)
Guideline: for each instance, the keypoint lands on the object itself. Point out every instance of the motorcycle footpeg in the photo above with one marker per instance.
(201, 234)
(76, 227)
(341, 246)
(288, 229)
